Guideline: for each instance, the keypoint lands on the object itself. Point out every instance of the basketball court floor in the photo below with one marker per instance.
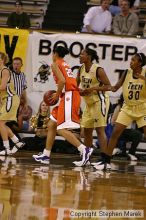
(61, 191)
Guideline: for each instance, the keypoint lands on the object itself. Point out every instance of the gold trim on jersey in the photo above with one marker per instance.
(134, 89)
(89, 80)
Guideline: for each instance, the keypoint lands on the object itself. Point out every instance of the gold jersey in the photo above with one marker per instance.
(134, 90)
(89, 80)
(10, 90)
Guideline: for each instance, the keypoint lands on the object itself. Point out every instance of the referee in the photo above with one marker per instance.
(19, 77)
(20, 85)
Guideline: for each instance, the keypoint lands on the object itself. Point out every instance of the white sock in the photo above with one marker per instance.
(47, 152)
(15, 139)
(6, 144)
(81, 147)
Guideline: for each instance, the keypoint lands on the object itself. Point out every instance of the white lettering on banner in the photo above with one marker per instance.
(114, 53)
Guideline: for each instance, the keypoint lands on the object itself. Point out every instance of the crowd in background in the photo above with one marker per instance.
(119, 17)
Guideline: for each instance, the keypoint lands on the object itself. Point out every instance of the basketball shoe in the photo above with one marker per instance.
(42, 158)
(5, 152)
(17, 146)
(102, 166)
(85, 157)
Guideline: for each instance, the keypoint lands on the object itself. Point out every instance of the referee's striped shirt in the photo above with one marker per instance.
(20, 83)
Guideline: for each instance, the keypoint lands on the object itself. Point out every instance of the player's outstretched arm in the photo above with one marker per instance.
(119, 83)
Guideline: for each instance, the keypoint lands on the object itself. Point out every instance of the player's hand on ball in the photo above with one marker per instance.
(55, 97)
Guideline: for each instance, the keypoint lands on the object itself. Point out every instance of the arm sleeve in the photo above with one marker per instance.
(135, 25)
(116, 28)
(26, 21)
(89, 15)
(109, 21)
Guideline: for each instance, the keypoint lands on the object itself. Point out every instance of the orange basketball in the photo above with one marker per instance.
(48, 98)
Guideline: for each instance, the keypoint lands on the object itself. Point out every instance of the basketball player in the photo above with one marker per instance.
(133, 83)
(94, 84)
(8, 107)
(66, 115)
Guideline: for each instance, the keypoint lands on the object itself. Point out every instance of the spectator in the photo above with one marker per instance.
(98, 19)
(144, 30)
(115, 7)
(18, 19)
(127, 22)
(24, 114)
(38, 124)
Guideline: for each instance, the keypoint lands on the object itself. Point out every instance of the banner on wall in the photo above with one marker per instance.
(114, 54)
(14, 43)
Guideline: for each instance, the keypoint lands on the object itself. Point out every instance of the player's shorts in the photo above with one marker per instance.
(95, 115)
(67, 114)
(136, 113)
(9, 108)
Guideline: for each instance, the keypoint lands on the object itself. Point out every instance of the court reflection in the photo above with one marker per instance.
(32, 192)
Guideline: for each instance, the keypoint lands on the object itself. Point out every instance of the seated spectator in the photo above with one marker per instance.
(115, 6)
(18, 19)
(98, 19)
(24, 114)
(144, 30)
(129, 135)
(126, 23)
(38, 124)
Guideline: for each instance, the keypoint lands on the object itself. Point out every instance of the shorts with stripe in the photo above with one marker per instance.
(95, 115)
(9, 108)
(67, 114)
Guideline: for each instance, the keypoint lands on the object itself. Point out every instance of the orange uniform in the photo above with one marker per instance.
(67, 113)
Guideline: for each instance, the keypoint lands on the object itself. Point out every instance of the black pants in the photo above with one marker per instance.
(34, 143)
(130, 135)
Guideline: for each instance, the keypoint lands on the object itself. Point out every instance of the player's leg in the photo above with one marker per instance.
(69, 118)
(87, 123)
(8, 112)
(17, 143)
(44, 157)
(97, 118)
(4, 135)
(88, 137)
(122, 122)
(72, 139)
(134, 136)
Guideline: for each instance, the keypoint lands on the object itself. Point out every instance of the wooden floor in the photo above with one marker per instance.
(32, 191)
